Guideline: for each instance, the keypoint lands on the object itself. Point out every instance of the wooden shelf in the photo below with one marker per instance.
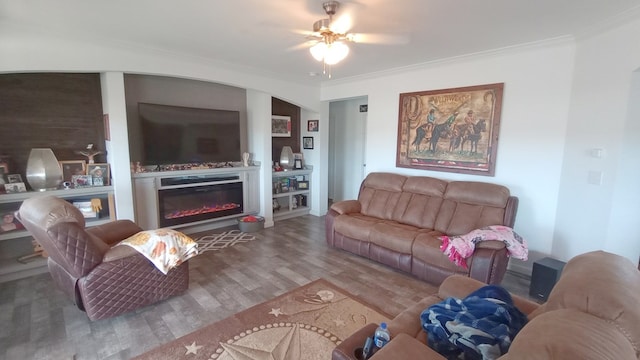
(286, 198)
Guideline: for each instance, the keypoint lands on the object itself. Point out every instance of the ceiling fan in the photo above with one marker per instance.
(329, 37)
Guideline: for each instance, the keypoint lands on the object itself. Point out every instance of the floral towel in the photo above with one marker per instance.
(459, 248)
(165, 248)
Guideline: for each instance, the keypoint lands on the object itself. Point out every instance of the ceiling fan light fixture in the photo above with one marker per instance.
(318, 50)
(336, 52)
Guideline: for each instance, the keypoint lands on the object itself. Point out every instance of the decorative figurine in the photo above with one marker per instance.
(89, 153)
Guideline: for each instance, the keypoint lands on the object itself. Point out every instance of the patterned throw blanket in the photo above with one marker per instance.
(165, 248)
(481, 326)
(459, 248)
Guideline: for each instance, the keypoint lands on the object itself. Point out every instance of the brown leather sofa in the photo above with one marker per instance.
(397, 219)
(592, 313)
(102, 279)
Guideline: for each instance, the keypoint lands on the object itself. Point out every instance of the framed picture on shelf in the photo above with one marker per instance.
(303, 185)
(307, 142)
(4, 170)
(9, 222)
(99, 173)
(13, 188)
(14, 178)
(280, 126)
(71, 168)
(81, 180)
(86, 209)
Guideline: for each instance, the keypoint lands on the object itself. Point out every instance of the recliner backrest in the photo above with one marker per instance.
(58, 226)
(379, 194)
(470, 205)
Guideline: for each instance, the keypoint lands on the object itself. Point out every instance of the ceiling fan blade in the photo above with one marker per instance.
(302, 46)
(386, 39)
(342, 24)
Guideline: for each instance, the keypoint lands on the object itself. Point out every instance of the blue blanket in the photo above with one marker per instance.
(480, 326)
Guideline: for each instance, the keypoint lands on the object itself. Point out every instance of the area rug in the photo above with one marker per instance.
(305, 323)
(220, 241)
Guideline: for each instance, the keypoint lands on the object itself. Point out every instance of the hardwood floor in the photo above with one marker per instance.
(38, 322)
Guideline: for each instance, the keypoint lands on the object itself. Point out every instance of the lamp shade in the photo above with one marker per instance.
(318, 50)
(43, 170)
(335, 53)
(331, 53)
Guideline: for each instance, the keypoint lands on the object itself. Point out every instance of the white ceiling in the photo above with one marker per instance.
(263, 34)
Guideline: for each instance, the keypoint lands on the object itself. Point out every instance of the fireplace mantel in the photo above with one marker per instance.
(148, 184)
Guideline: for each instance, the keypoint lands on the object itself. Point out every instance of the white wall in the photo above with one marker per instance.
(532, 130)
(604, 114)
(562, 99)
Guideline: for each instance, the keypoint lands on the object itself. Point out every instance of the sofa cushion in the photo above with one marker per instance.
(394, 237)
(380, 193)
(420, 201)
(470, 205)
(355, 226)
(426, 248)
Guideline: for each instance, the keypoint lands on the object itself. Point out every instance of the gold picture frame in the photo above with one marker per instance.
(72, 167)
(454, 130)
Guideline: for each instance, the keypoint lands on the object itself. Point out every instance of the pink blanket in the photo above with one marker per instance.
(459, 248)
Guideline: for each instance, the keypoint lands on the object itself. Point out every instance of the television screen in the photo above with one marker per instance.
(180, 135)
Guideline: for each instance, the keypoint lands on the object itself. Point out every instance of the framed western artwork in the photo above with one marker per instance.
(454, 130)
(280, 126)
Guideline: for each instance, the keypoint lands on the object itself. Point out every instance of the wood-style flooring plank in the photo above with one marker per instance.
(39, 322)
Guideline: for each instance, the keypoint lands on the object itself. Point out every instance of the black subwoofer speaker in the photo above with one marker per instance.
(546, 273)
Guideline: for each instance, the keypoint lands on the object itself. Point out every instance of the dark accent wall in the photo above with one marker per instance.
(283, 108)
(50, 110)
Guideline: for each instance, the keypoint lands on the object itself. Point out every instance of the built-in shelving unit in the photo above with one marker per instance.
(290, 192)
(16, 243)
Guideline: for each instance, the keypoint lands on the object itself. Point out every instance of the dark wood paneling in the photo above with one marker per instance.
(50, 110)
(283, 108)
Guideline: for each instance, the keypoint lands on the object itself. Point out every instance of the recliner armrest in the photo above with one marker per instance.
(346, 207)
(404, 346)
(346, 349)
(119, 252)
(113, 232)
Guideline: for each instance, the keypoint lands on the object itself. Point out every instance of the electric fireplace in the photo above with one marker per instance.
(189, 199)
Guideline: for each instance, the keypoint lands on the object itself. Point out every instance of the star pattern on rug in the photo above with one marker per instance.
(193, 348)
(339, 322)
(288, 347)
(276, 312)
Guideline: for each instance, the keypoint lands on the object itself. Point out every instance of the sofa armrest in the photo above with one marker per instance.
(404, 346)
(346, 207)
(347, 348)
(113, 232)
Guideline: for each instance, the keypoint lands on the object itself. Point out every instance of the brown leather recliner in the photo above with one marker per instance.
(102, 279)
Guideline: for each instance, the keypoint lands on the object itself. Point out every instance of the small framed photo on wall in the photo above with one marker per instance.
(312, 125)
(307, 142)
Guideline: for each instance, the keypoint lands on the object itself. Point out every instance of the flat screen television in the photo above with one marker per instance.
(181, 135)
